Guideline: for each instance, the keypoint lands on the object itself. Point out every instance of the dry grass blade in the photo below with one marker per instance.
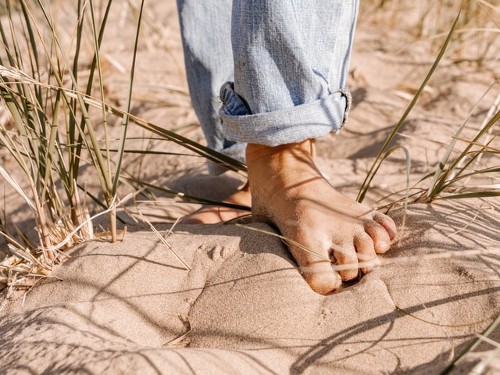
(381, 261)
(164, 241)
(15, 185)
(388, 142)
(185, 197)
(449, 172)
(472, 346)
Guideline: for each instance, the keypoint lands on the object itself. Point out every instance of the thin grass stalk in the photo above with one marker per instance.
(71, 129)
(125, 117)
(162, 133)
(382, 153)
(13, 57)
(109, 195)
(441, 174)
(457, 171)
(437, 190)
(482, 194)
(34, 56)
(217, 157)
(80, 141)
(494, 108)
(95, 154)
(125, 120)
(483, 171)
(101, 83)
(50, 151)
(473, 345)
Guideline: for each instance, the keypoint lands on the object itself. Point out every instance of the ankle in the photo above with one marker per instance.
(256, 152)
(279, 170)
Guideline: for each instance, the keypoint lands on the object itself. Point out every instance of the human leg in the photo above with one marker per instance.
(206, 39)
(291, 60)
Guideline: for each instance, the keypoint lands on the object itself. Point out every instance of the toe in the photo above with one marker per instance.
(315, 265)
(387, 223)
(346, 256)
(379, 235)
(321, 277)
(365, 251)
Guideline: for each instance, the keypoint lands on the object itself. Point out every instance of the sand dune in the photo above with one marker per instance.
(242, 307)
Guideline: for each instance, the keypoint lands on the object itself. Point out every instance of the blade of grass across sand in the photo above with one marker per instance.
(164, 241)
(382, 154)
(102, 96)
(150, 152)
(162, 133)
(71, 133)
(125, 117)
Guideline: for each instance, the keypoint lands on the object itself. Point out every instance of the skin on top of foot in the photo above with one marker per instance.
(287, 188)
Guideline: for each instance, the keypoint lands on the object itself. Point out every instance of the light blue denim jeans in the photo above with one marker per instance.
(282, 65)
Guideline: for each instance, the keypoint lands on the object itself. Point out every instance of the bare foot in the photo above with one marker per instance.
(321, 223)
(217, 214)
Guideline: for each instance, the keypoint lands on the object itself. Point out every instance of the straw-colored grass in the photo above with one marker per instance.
(55, 124)
(51, 132)
(58, 115)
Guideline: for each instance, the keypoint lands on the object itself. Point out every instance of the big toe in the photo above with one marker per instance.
(321, 277)
(317, 270)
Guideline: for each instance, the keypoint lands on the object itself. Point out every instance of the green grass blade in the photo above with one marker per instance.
(72, 132)
(479, 194)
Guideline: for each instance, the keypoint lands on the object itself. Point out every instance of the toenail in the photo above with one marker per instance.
(383, 245)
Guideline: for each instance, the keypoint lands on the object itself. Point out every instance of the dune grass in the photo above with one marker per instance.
(53, 128)
(55, 125)
(59, 117)
(50, 131)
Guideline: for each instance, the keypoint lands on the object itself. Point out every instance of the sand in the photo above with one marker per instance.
(242, 307)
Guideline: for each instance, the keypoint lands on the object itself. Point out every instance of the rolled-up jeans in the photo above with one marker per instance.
(269, 72)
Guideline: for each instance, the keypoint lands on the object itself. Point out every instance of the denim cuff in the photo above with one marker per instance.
(310, 120)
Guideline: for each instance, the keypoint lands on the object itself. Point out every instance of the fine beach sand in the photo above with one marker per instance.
(242, 307)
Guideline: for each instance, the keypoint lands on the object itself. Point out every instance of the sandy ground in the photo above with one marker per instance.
(242, 307)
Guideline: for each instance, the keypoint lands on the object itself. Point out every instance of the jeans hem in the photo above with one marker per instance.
(310, 120)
